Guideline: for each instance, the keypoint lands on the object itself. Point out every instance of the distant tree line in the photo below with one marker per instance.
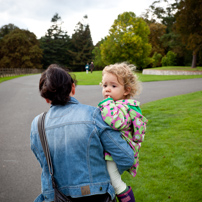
(170, 35)
(20, 48)
(167, 36)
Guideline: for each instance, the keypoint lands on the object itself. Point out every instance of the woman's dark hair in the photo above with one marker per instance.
(56, 84)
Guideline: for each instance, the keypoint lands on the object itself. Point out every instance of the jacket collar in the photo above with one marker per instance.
(71, 101)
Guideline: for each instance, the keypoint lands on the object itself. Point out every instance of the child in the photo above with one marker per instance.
(124, 114)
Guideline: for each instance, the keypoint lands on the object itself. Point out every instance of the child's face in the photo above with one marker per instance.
(112, 88)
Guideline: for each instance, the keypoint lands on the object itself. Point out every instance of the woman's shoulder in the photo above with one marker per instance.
(34, 124)
(88, 110)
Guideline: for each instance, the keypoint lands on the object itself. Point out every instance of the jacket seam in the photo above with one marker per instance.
(64, 124)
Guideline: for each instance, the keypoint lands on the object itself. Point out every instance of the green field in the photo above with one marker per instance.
(179, 68)
(11, 77)
(96, 77)
(171, 155)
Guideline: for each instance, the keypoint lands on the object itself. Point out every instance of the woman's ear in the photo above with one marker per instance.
(73, 90)
(48, 101)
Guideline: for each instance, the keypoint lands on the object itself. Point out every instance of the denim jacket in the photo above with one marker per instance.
(77, 137)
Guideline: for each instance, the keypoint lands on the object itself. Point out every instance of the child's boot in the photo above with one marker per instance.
(128, 196)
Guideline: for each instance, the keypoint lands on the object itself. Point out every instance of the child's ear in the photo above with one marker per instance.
(127, 91)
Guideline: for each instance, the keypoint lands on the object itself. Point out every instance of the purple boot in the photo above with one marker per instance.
(127, 196)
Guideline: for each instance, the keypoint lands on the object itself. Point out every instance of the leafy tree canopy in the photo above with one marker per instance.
(169, 59)
(20, 49)
(127, 41)
(189, 25)
(157, 30)
(97, 58)
(6, 29)
(162, 12)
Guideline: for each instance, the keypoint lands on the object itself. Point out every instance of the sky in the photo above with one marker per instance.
(36, 15)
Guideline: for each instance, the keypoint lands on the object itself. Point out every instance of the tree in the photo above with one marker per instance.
(156, 59)
(97, 58)
(169, 59)
(162, 15)
(163, 12)
(189, 25)
(6, 29)
(127, 41)
(81, 46)
(20, 49)
(55, 44)
(157, 30)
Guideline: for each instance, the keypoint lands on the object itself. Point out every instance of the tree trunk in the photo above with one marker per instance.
(194, 60)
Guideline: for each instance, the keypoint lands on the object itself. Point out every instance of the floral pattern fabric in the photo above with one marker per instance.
(125, 116)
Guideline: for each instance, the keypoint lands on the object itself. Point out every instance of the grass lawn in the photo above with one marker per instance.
(11, 77)
(171, 155)
(179, 68)
(88, 79)
(96, 77)
(148, 78)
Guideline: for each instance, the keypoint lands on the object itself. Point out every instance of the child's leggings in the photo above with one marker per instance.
(115, 177)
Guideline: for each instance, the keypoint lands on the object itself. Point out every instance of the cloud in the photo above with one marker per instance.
(36, 15)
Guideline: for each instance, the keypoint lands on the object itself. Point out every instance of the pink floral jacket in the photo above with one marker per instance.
(126, 116)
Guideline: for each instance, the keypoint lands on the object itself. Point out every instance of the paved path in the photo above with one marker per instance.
(20, 103)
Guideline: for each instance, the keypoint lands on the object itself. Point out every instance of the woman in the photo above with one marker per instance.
(77, 138)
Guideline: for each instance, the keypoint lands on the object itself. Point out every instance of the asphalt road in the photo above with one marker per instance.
(20, 102)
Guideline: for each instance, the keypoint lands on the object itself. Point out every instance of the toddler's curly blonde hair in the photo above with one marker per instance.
(125, 77)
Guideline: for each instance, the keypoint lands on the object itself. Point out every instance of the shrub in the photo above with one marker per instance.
(156, 59)
(169, 59)
(164, 61)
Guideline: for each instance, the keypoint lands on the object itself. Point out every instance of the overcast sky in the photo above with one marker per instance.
(36, 15)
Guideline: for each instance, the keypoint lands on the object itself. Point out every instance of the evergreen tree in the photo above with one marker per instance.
(81, 46)
(55, 44)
